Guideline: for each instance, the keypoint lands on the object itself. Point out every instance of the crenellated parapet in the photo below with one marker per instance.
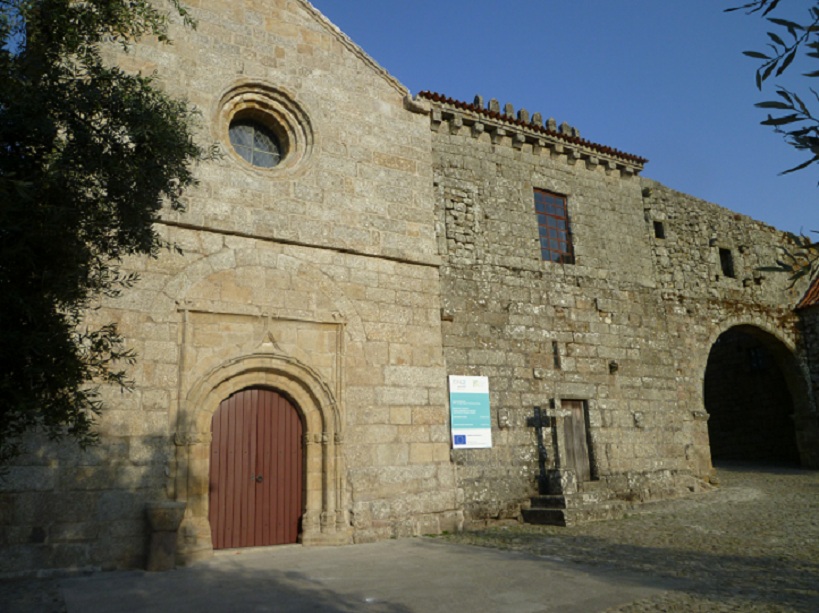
(521, 129)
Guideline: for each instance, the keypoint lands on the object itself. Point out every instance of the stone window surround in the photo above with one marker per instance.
(726, 262)
(276, 109)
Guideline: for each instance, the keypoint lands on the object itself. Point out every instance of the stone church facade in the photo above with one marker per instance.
(385, 242)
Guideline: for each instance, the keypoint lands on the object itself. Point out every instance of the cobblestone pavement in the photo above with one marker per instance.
(751, 545)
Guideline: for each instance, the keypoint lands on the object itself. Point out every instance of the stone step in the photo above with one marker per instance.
(592, 503)
(548, 501)
(572, 516)
(544, 517)
(596, 512)
(593, 486)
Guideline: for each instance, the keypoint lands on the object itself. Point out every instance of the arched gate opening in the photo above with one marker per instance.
(751, 391)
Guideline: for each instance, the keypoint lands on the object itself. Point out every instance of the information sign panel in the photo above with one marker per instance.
(469, 412)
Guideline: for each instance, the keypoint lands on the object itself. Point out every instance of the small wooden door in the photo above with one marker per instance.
(255, 470)
(576, 442)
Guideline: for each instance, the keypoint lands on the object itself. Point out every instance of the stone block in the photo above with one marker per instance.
(400, 415)
(76, 532)
(378, 434)
(119, 505)
(394, 454)
(429, 416)
(395, 396)
(28, 479)
(422, 453)
(37, 508)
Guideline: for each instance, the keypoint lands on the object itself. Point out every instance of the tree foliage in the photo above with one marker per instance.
(88, 157)
(792, 114)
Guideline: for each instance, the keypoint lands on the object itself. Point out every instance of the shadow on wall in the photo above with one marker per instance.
(65, 508)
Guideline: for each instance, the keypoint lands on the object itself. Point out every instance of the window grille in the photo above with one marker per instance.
(553, 227)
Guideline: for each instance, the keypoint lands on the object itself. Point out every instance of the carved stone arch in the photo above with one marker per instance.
(177, 289)
(325, 520)
(719, 328)
(785, 349)
(766, 326)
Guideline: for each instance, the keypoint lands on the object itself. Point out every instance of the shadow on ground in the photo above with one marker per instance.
(754, 540)
(210, 588)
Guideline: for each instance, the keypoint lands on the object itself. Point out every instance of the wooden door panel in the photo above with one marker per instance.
(576, 440)
(284, 470)
(249, 414)
(255, 471)
(264, 496)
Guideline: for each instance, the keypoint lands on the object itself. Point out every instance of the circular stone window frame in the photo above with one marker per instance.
(275, 109)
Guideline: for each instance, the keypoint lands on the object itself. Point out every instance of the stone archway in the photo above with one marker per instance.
(325, 520)
(752, 391)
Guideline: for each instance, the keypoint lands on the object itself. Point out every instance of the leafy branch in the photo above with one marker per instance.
(800, 261)
(90, 155)
(803, 127)
(790, 115)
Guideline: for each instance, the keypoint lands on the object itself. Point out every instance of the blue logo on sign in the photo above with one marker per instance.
(460, 439)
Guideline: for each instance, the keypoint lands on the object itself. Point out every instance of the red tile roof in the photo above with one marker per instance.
(811, 297)
(532, 126)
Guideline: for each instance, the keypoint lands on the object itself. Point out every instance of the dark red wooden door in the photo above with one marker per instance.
(255, 470)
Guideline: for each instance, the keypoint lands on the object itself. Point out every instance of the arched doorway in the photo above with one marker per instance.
(256, 470)
(324, 519)
(751, 393)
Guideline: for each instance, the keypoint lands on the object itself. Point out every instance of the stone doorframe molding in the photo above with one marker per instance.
(325, 520)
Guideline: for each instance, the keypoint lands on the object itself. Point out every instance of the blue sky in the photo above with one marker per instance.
(662, 79)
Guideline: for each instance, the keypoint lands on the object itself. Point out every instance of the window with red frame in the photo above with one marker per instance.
(553, 227)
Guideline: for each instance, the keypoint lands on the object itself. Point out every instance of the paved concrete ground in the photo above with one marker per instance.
(421, 575)
(751, 545)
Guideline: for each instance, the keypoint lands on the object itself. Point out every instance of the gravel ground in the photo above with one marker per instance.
(750, 545)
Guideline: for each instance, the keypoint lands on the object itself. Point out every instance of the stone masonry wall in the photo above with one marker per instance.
(687, 258)
(808, 424)
(702, 302)
(378, 257)
(627, 328)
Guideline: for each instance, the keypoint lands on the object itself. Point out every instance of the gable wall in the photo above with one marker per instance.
(320, 279)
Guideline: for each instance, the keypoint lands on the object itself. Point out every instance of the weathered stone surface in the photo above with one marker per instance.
(395, 244)
(628, 327)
